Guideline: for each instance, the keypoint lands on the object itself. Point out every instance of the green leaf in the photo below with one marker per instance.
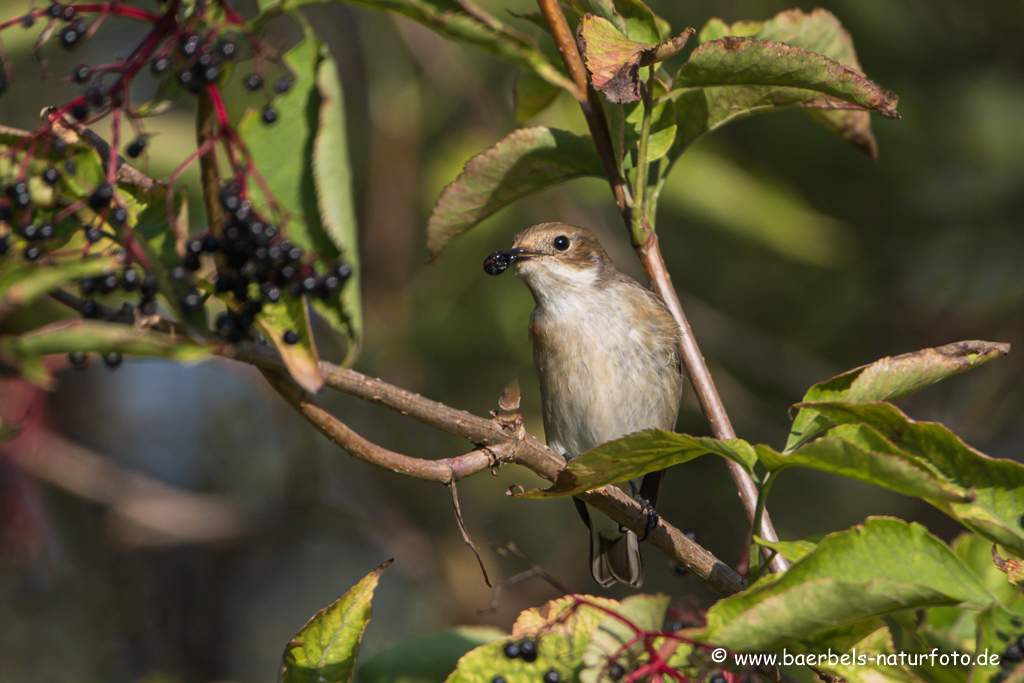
(102, 337)
(791, 550)
(662, 133)
(820, 31)
(890, 378)
(325, 649)
(881, 566)
(425, 658)
(21, 283)
(450, 19)
(526, 161)
(860, 452)
(732, 78)
(631, 18)
(333, 178)
(637, 454)
(996, 484)
(996, 628)
(303, 159)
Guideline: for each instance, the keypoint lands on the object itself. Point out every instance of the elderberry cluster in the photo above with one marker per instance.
(254, 253)
(1014, 653)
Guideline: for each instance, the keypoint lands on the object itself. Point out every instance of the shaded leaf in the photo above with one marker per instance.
(22, 282)
(453, 20)
(332, 176)
(733, 77)
(997, 485)
(526, 161)
(76, 334)
(614, 60)
(881, 566)
(662, 131)
(891, 378)
(637, 454)
(430, 657)
(325, 649)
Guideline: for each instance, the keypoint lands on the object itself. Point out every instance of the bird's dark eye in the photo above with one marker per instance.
(561, 243)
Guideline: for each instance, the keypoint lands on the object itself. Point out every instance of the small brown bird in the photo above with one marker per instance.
(606, 350)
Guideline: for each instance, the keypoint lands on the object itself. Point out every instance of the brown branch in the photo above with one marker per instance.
(503, 445)
(654, 265)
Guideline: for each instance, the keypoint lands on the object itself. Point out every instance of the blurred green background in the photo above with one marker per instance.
(186, 523)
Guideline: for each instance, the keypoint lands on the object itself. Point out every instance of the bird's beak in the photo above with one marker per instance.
(496, 263)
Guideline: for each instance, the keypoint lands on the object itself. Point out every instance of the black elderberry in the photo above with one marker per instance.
(90, 309)
(191, 301)
(47, 231)
(56, 10)
(81, 25)
(80, 111)
(229, 198)
(178, 273)
(332, 283)
(112, 359)
(290, 337)
(101, 196)
(511, 650)
(1013, 653)
(51, 175)
(295, 254)
(190, 81)
(189, 45)
(22, 200)
(552, 676)
(94, 96)
(308, 284)
(58, 144)
(228, 49)
(118, 216)
(191, 262)
(717, 678)
(282, 85)
(148, 286)
(194, 247)
(107, 283)
(70, 167)
(28, 21)
(269, 115)
(30, 232)
(32, 252)
(81, 73)
(270, 292)
(528, 651)
(254, 308)
(225, 283)
(137, 146)
(3, 81)
(147, 307)
(78, 358)
(344, 272)
(253, 82)
(616, 671)
(93, 234)
(243, 212)
(14, 190)
(88, 286)
(68, 13)
(159, 66)
(498, 679)
(287, 272)
(130, 280)
(241, 289)
(69, 36)
(210, 243)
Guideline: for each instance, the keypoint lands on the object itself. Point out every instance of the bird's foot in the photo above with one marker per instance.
(649, 512)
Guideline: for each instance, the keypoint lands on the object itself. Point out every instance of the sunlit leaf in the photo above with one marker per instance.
(277, 321)
(881, 566)
(637, 454)
(997, 485)
(734, 77)
(325, 649)
(103, 337)
(891, 378)
(615, 639)
(21, 283)
(791, 550)
(526, 161)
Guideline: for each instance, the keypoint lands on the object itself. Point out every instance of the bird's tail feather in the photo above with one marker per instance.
(616, 558)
